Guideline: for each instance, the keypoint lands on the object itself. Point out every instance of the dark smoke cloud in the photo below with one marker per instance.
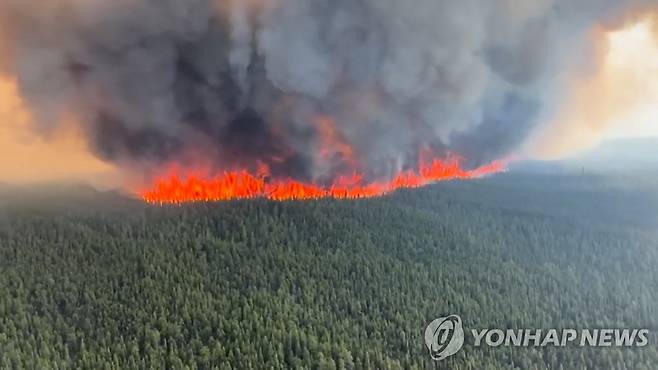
(238, 82)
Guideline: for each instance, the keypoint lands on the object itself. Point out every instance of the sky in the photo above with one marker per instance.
(634, 53)
(617, 99)
(26, 157)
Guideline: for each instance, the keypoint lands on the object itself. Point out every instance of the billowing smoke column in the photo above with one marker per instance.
(309, 89)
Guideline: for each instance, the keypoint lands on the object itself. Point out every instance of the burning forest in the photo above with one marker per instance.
(297, 99)
(244, 185)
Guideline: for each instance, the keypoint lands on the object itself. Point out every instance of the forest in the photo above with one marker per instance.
(97, 280)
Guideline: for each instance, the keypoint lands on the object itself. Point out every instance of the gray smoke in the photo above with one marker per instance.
(235, 83)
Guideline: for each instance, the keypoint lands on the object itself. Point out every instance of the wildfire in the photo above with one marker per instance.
(174, 189)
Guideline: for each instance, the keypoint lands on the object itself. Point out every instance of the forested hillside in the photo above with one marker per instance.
(105, 282)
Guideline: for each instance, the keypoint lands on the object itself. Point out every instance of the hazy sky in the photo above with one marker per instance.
(27, 157)
(617, 99)
(634, 55)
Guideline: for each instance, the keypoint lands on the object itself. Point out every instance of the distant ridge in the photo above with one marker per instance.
(619, 155)
(61, 196)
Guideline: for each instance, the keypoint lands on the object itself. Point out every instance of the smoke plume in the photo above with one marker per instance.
(308, 88)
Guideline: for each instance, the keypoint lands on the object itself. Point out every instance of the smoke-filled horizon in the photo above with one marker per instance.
(311, 89)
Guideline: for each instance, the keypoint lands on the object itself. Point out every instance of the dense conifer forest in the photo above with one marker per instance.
(100, 281)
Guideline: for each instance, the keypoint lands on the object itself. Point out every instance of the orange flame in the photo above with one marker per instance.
(332, 142)
(174, 189)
